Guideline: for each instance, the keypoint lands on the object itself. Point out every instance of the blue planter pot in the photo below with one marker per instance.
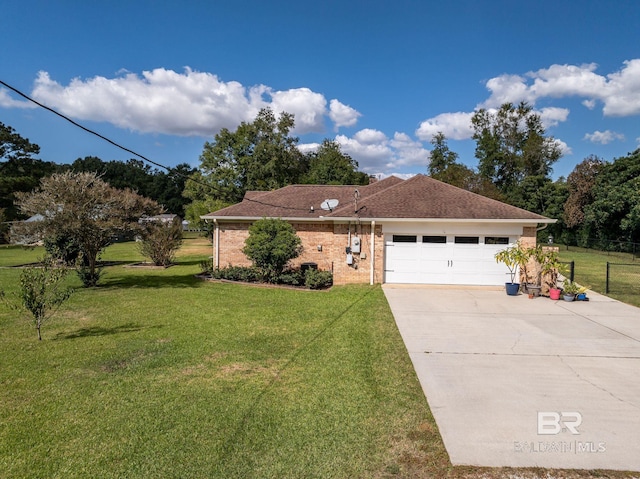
(512, 288)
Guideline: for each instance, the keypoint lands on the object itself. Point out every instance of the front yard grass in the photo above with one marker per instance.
(156, 374)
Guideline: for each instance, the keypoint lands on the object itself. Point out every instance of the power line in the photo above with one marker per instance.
(128, 150)
(88, 130)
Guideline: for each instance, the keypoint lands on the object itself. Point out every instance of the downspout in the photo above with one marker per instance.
(542, 227)
(216, 245)
(372, 253)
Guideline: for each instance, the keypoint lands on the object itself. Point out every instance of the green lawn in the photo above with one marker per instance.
(591, 270)
(155, 374)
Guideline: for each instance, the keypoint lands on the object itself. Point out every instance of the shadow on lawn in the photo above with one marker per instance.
(99, 331)
(150, 281)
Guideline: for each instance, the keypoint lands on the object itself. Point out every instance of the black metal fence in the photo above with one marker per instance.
(623, 278)
(569, 269)
(621, 249)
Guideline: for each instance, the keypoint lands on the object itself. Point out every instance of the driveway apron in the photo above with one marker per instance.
(521, 382)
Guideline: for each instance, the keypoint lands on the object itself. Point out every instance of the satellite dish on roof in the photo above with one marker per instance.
(329, 205)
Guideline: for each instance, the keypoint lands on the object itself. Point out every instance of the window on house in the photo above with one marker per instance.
(496, 240)
(467, 240)
(434, 239)
(405, 239)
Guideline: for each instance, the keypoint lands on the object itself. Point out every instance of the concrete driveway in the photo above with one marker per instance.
(522, 382)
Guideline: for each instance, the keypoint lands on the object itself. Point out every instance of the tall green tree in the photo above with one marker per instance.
(444, 166)
(19, 170)
(330, 166)
(14, 147)
(511, 144)
(165, 188)
(541, 195)
(580, 183)
(614, 214)
(83, 207)
(168, 188)
(261, 155)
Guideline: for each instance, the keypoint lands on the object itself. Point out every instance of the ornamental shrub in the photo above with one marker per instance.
(271, 244)
(316, 279)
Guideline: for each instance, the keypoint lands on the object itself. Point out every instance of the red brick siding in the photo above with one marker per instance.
(332, 257)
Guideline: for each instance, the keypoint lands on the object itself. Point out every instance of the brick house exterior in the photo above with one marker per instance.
(376, 214)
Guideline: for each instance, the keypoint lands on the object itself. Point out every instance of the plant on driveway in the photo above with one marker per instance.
(514, 257)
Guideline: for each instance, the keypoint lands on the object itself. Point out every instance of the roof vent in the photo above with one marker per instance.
(329, 205)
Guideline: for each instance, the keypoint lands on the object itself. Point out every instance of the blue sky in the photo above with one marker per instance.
(380, 77)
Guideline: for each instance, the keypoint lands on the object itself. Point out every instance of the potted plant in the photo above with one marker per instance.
(549, 267)
(581, 295)
(570, 290)
(513, 257)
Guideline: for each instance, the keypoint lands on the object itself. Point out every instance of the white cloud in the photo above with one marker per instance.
(376, 153)
(603, 137)
(567, 80)
(623, 92)
(403, 176)
(619, 92)
(455, 126)
(369, 136)
(342, 115)
(308, 147)
(507, 89)
(551, 116)
(564, 148)
(308, 108)
(190, 103)
(7, 102)
(408, 151)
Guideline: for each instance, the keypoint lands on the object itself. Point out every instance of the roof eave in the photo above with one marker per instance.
(533, 221)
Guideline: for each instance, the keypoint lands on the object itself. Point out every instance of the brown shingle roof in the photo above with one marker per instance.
(423, 197)
(418, 197)
(296, 201)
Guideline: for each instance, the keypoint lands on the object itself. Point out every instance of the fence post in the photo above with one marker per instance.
(572, 271)
(606, 288)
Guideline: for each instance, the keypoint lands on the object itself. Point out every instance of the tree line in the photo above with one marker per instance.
(258, 155)
(598, 204)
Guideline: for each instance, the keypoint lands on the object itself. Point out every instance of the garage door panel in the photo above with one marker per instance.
(454, 262)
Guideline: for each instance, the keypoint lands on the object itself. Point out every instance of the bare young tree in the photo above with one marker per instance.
(41, 292)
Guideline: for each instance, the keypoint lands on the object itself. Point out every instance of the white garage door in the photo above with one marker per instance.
(445, 259)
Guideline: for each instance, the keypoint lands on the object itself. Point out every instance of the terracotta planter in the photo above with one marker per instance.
(554, 293)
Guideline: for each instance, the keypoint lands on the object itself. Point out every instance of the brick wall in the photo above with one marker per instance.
(333, 239)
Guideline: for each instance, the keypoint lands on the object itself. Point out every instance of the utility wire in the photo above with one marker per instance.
(117, 145)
